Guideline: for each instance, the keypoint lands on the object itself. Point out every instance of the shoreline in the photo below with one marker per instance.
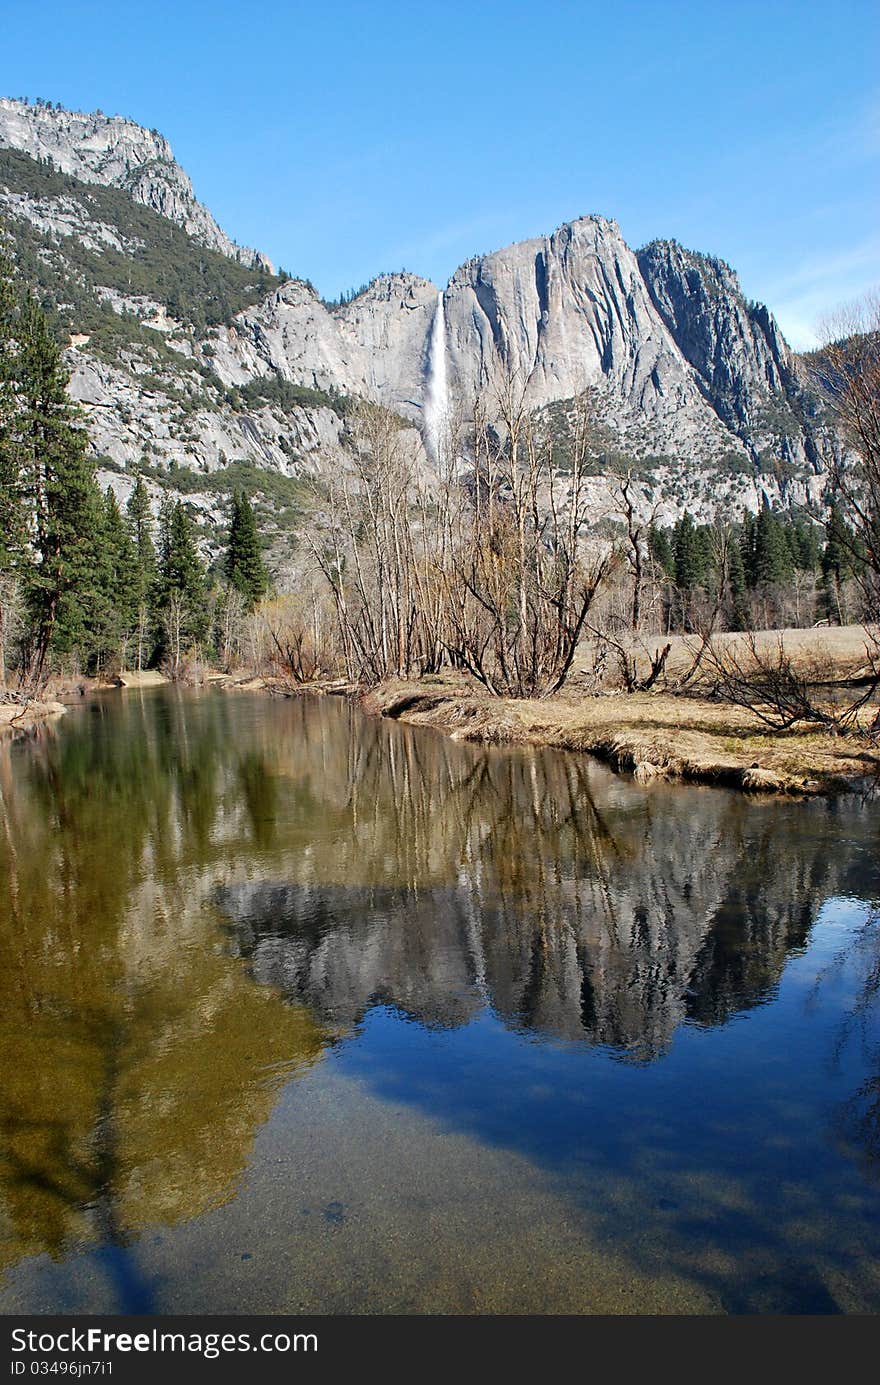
(18, 719)
(650, 736)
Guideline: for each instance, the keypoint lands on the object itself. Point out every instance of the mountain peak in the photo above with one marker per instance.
(116, 152)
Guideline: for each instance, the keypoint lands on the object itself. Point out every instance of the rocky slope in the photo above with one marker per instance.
(96, 148)
(198, 360)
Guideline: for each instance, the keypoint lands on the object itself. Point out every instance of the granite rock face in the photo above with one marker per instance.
(691, 385)
(742, 363)
(97, 148)
(680, 367)
(570, 312)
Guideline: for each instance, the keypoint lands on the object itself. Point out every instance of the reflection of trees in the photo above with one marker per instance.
(136, 1059)
(582, 906)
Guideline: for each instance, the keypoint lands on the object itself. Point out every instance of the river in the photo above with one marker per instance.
(303, 1011)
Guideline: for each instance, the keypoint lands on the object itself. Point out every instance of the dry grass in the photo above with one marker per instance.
(839, 649)
(649, 735)
(15, 718)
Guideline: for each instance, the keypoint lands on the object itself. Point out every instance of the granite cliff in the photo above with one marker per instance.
(189, 355)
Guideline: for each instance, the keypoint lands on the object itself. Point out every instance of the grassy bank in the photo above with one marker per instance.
(650, 736)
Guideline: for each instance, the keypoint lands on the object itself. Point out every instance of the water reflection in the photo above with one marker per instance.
(204, 896)
(577, 906)
(136, 1059)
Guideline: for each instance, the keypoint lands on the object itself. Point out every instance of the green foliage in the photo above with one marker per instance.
(182, 576)
(49, 480)
(772, 561)
(245, 569)
(759, 558)
(738, 585)
(661, 550)
(158, 260)
(689, 555)
(117, 582)
(140, 520)
(275, 496)
(12, 518)
(275, 389)
(840, 548)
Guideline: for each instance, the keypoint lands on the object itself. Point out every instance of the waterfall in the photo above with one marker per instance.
(436, 407)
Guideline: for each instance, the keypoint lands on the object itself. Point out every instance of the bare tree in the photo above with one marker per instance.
(628, 502)
(847, 369)
(526, 585)
(371, 552)
(766, 681)
(297, 627)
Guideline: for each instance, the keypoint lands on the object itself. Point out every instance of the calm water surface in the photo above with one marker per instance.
(302, 1011)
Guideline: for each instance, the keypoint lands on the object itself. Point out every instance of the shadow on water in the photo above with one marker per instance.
(664, 998)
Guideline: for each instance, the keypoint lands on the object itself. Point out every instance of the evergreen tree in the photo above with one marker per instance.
(661, 550)
(687, 553)
(704, 551)
(747, 544)
(806, 546)
(182, 580)
(119, 580)
(245, 569)
(738, 584)
(10, 519)
(773, 563)
(59, 493)
(838, 559)
(140, 524)
(12, 525)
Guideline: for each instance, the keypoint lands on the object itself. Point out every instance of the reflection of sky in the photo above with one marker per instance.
(715, 1175)
(463, 1156)
(732, 1133)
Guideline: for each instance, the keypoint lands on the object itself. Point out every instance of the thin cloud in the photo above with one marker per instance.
(820, 284)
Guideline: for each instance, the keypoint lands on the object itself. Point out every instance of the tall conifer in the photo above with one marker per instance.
(245, 569)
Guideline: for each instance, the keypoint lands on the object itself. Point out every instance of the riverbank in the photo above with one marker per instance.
(650, 736)
(17, 718)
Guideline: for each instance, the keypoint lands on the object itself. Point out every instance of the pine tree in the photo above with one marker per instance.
(747, 545)
(140, 524)
(11, 525)
(140, 521)
(806, 546)
(837, 563)
(119, 581)
(661, 550)
(773, 558)
(245, 569)
(59, 493)
(182, 569)
(738, 584)
(704, 550)
(687, 553)
(182, 582)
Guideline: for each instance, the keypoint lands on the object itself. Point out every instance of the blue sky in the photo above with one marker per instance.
(352, 138)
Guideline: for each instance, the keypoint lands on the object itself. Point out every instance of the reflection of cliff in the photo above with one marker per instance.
(579, 905)
(340, 950)
(136, 1058)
